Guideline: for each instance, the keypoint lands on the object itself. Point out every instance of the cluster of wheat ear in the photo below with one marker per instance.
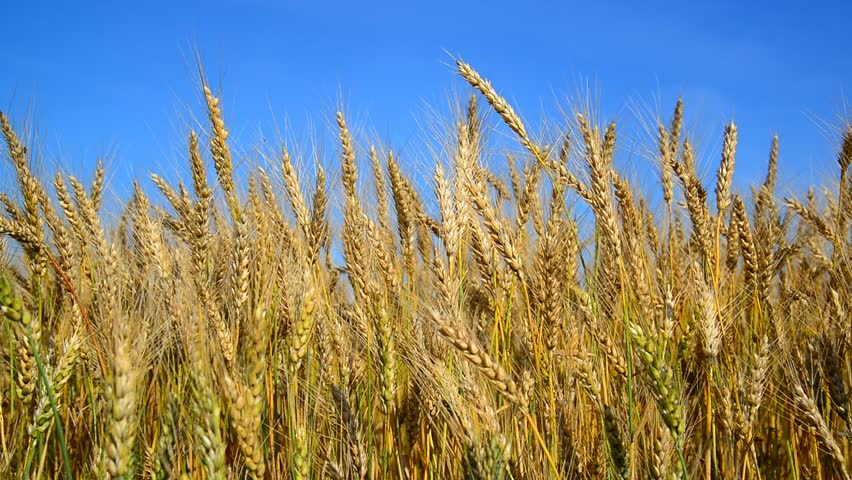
(534, 315)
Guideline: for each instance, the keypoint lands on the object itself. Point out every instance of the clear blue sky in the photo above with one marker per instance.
(119, 78)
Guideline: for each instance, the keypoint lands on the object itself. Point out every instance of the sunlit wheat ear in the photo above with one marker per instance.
(404, 214)
(499, 104)
(726, 170)
(450, 227)
(747, 245)
(710, 328)
(676, 126)
(634, 251)
(21, 234)
(732, 254)
(696, 200)
(254, 210)
(240, 262)
(598, 158)
(199, 175)
(480, 359)
(269, 195)
(302, 328)
(768, 187)
(27, 183)
(148, 233)
(811, 217)
(587, 378)
(245, 418)
(498, 230)
(218, 142)
(550, 263)
(382, 210)
(220, 151)
(563, 177)
(614, 355)
(320, 230)
(256, 356)
(666, 161)
(30, 190)
(107, 278)
(62, 236)
(97, 189)
(528, 194)
(350, 174)
(754, 388)
(473, 119)
(294, 192)
(178, 203)
(123, 392)
(823, 433)
(223, 334)
(67, 206)
(43, 417)
(383, 257)
(387, 358)
(659, 463)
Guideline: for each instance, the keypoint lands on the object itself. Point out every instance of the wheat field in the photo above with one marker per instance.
(533, 315)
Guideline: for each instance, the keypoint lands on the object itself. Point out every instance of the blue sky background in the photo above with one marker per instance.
(119, 79)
